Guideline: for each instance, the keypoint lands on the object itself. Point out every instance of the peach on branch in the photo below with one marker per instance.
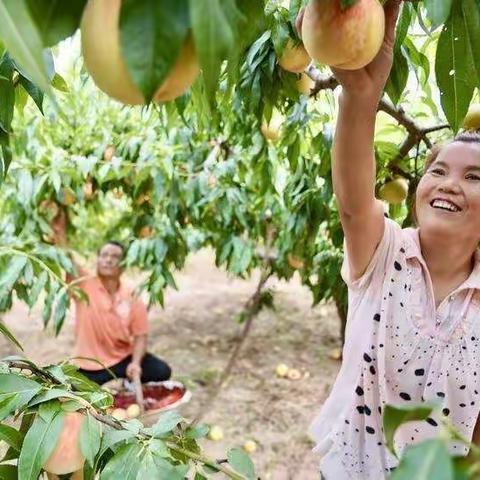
(67, 456)
(305, 84)
(394, 191)
(472, 119)
(294, 58)
(343, 37)
(104, 60)
(272, 130)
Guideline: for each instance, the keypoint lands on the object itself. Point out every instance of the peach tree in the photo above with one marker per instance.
(230, 149)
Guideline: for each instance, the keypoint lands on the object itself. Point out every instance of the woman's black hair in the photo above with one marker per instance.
(468, 136)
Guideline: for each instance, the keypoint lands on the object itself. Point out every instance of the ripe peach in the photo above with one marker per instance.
(395, 191)
(281, 370)
(88, 191)
(272, 130)
(250, 446)
(295, 262)
(103, 57)
(472, 119)
(133, 410)
(347, 38)
(69, 197)
(67, 456)
(109, 153)
(215, 433)
(294, 58)
(119, 414)
(145, 232)
(305, 84)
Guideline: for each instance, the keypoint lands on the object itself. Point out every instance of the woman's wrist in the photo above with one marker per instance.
(367, 102)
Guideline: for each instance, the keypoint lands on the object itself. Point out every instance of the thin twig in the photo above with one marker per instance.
(415, 131)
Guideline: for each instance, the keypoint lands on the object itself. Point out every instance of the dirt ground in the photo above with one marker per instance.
(196, 332)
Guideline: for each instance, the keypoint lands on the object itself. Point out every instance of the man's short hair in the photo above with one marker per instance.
(112, 242)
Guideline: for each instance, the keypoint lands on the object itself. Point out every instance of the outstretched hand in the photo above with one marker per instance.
(370, 80)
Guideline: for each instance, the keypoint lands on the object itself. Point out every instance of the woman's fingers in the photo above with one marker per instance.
(392, 9)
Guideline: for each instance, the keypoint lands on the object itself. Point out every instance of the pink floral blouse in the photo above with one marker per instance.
(400, 349)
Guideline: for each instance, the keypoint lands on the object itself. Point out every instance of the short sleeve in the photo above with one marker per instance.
(139, 318)
(377, 267)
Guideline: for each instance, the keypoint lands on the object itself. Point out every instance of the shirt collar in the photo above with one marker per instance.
(413, 250)
(120, 293)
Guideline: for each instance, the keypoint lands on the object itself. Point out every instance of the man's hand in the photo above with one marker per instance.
(134, 370)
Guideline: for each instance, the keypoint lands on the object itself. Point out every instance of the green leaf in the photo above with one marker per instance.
(7, 333)
(159, 448)
(112, 437)
(393, 417)
(40, 441)
(59, 83)
(398, 78)
(403, 24)
(197, 431)
(50, 394)
(126, 460)
(456, 77)
(11, 436)
(6, 155)
(12, 273)
(24, 389)
(418, 59)
(8, 472)
(347, 3)
(425, 461)
(35, 93)
(471, 19)
(8, 404)
(438, 11)
(148, 468)
(241, 463)
(7, 104)
(90, 438)
(462, 466)
(166, 423)
(21, 38)
(56, 19)
(167, 471)
(37, 288)
(63, 301)
(151, 35)
(25, 424)
(214, 39)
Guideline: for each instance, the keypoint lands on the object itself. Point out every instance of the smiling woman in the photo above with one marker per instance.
(451, 185)
(414, 294)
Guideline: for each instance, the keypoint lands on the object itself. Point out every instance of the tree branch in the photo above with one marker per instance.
(416, 132)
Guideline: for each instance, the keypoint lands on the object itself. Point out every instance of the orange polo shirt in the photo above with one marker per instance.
(105, 327)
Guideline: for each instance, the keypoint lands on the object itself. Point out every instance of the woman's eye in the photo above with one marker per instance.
(437, 171)
(472, 176)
